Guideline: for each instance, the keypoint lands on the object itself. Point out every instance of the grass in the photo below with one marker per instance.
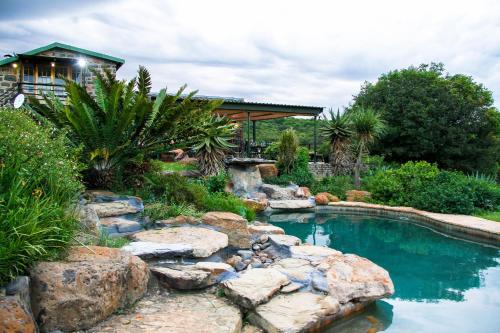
(161, 211)
(493, 216)
(176, 166)
(106, 241)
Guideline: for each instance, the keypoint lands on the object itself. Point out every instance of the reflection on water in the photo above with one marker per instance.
(442, 284)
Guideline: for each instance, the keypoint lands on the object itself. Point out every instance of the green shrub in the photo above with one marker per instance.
(336, 185)
(271, 151)
(161, 211)
(216, 183)
(38, 184)
(299, 173)
(287, 151)
(486, 193)
(225, 202)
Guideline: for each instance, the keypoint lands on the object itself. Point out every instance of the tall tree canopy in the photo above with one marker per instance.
(437, 117)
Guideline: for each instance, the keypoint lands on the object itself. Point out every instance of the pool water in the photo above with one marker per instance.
(443, 284)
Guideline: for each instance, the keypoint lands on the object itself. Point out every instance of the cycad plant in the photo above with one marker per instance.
(212, 142)
(287, 150)
(338, 131)
(121, 122)
(367, 126)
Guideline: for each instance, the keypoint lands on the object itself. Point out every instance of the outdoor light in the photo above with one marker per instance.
(52, 64)
(14, 65)
(82, 62)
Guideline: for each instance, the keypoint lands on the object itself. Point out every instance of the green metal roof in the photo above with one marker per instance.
(57, 45)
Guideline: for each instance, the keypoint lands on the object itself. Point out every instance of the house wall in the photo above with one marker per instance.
(320, 169)
(8, 78)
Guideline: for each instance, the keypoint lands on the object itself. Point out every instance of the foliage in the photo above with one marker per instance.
(336, 185)
(287, 151)
(338, 131)
(106, 241)
(226, 202)
(121, 122)
(422, 185)
(212, 142)
(445, 119)
(494, 216)
(38, 184)
(216, 183)
(367, 126)
(172, 166)
(271, 151)
(299, 175)
(161, 210)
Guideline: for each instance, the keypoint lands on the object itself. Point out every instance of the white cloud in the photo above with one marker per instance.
(299, 52)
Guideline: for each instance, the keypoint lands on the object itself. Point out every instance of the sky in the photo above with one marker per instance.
(294, 52)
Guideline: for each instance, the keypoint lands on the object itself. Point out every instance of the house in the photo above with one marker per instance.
(42, 70)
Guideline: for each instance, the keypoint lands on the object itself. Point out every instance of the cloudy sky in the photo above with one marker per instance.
(299, 52)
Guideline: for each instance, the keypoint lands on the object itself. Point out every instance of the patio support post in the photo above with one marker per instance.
(253, 131)
(315, 142)
(248, 134)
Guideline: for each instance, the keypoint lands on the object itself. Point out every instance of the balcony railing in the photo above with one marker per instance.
(37, 90)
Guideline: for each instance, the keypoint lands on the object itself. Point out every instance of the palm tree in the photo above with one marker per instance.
(120, 122)
(367, 126)
(212, 142)
(338, 131)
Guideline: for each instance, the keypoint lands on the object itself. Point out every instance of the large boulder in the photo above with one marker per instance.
(276, 192)
(233, 225)
(258, 230)
(258, 205)
(177, 313)
(295, 313)
(15, 307)
(245, 179)
(255, 286)
(88, 219)
(291, 204)
(353, 278)
(321, 199)
(120, 225)
(268, 170)
(297, 270)
(203, 242)
(150, 250)
(114, 208)
(312, 252)
(303, 192)
(188, 277)
(91, 284)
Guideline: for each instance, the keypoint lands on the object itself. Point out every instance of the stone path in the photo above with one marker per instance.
(179, 313)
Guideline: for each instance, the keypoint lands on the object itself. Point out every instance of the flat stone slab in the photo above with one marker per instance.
(114, 208)
(149, 250)
(258, 230)
(233, 225)
(203, 241)
(255, 286)
(312, 252)
(176, 313)
(182, 277)
(291, 204)
(120, 224)
(284, 240)
(295, 313)
(276, 192)
(297, 270)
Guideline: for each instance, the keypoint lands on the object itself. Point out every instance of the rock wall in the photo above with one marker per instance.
(320, 169)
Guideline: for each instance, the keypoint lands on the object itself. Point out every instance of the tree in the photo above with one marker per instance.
(212, 142)
(338, 131)
(437, 117)
(121, 123)
(367, 126)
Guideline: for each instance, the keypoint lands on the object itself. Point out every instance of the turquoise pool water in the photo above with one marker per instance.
(443, 284)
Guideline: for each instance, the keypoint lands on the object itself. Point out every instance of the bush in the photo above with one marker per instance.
(422, 185)
(337, 185)
(216, 183)
(299, 173)
(38, 184)
(161, 211)
(225, 202)
(287, 151)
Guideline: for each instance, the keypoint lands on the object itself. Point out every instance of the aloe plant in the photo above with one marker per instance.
(338, 131)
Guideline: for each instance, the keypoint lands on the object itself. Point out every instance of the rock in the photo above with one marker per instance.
(177, 313)
(88, 219)
(258, 205)
(354, 195)
(15, 307)
(121, 224)
(297, 270)
(294, 313)
(312, 252)
(215, 268)
(91, 284)
(240, 265)
(203, 241)
(276, 192)
(149, 250)
(319, 282)
(268, 170)
(256, 247)
(178, 154)
(245, 254)
(257, 231)
(321, 199)
(233, 260)
(245, 179)
(291, 288)
(186, 160)
(185, 277)
(303, 192)
(291, 204)
(254, 287)
(353, 278)
(264, 238)
(251, 329)
(114, 208)
(180, 220)
(284, 240)
(234, 226)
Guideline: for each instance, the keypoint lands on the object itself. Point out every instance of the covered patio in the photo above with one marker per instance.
(251, 112)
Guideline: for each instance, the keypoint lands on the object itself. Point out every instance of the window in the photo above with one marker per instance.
(44, 78)
(28, 78)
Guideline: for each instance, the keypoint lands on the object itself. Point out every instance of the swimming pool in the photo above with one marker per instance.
(443, 284)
